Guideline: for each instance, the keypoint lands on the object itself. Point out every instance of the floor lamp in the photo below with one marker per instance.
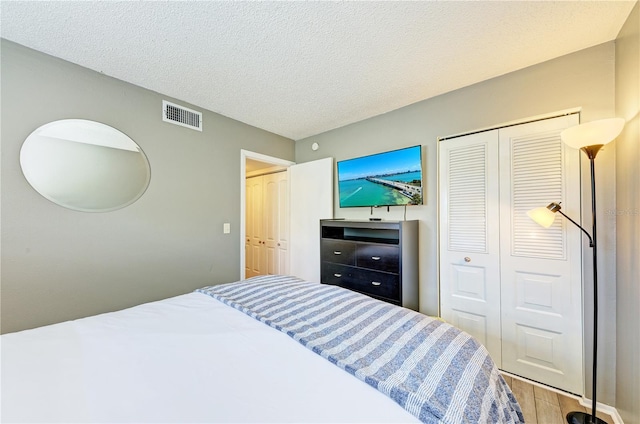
(589, 138)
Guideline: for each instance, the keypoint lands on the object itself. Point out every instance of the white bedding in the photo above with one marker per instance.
(185, 359)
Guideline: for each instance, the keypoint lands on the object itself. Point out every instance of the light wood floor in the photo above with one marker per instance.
(542, 406)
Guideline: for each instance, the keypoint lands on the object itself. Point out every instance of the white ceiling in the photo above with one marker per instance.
(301, 68)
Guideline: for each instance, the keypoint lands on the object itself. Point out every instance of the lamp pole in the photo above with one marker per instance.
(588, 137)
(581, 417)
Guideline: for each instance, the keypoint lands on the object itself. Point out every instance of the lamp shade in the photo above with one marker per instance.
(542, 216)
(592, 133)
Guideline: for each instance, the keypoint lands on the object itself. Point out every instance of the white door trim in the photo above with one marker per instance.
(244, 155)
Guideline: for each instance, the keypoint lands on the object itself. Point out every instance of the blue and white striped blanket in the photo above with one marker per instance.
(433, 370)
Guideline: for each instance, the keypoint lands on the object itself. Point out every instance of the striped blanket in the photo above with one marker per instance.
(433, 370)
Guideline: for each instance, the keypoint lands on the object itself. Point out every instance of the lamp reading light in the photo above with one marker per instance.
(589, 138)
(544, 216)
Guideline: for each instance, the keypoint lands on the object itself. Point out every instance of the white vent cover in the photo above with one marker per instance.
(181, 115)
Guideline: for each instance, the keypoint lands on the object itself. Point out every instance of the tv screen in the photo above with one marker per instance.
(385, 179)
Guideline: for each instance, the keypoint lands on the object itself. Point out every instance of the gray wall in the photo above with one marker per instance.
(627, 212)
(583, 79)
(59, 264)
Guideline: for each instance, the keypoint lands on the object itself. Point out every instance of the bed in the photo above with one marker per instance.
(266, 349)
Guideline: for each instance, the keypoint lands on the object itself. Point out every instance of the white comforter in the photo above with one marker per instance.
(185, 359)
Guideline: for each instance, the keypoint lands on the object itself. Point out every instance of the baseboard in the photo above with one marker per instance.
(551, 389)
(617, 419)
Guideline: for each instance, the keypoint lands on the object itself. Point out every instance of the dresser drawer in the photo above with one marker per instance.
(338, 252)
(337, 275)
(378, 257)
(375, 283)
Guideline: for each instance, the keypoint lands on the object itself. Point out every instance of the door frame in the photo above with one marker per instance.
(244, 155)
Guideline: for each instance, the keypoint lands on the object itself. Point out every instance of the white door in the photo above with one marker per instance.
(514, 285)
(311, 199)
(276, 223)
(282, 242)
(270, 219)
(469, 240)
(248, 229)
(255, 260)
(541, 267)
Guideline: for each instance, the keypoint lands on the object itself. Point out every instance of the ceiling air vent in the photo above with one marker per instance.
(181, 115)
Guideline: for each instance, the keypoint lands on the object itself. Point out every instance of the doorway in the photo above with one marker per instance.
(253, 164)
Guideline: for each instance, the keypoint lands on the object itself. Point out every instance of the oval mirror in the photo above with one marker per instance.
(84, 165)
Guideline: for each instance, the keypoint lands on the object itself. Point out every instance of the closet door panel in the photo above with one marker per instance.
(255, 257)
(282, 241)
(540, 267)
(271, 224)
(267, 223)
(248, 231)
(469, 248)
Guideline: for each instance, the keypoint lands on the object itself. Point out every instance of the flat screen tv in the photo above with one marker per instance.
(391, 178)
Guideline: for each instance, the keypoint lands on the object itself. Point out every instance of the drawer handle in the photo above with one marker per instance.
(337, 275)
(375, 258)
(376, 283)
(337, 252)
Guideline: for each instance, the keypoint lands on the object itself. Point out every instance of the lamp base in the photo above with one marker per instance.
(582, 418)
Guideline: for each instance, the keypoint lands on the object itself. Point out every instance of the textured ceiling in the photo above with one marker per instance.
(302, 68)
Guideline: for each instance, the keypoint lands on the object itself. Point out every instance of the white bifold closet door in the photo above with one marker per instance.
(514, 285)
(267, 225)
(255, 258)
(469, 239)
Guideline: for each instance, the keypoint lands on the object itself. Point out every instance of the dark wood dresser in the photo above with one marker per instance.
(377, 258)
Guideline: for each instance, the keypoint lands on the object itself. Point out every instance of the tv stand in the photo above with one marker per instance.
(377, 258)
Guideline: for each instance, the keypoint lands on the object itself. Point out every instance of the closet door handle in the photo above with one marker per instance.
(376, 283)
(337, 252)
(467, 259)
(375, 258)
(337, 275)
